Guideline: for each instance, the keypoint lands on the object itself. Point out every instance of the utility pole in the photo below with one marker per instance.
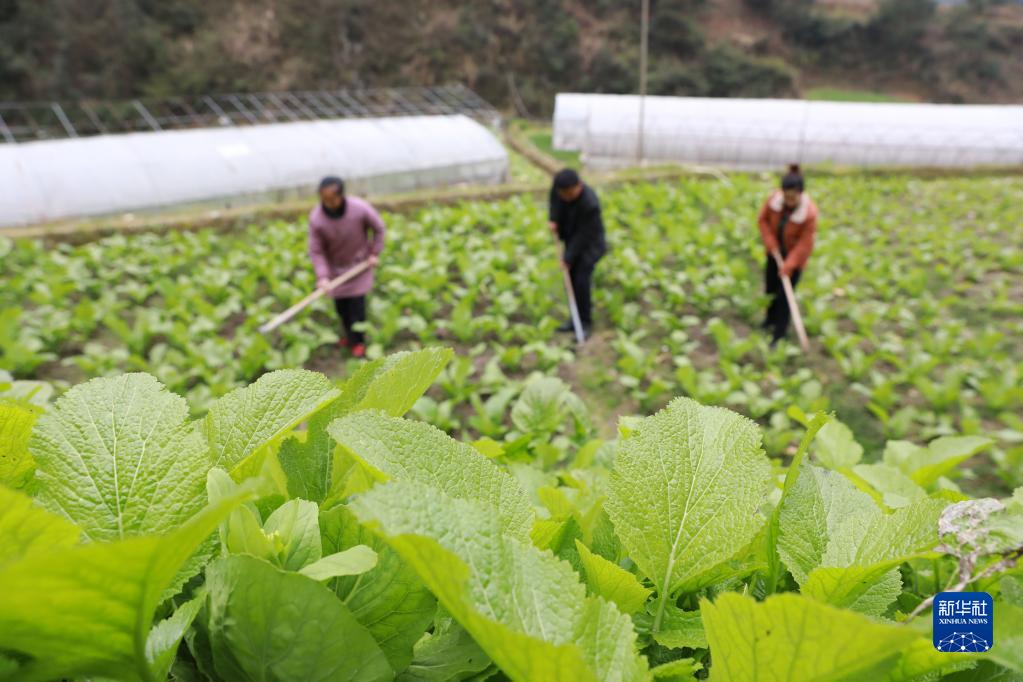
(644, 32)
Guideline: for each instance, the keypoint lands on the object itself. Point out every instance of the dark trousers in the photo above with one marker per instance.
(778, 314)
(352, 311)
(581, 273)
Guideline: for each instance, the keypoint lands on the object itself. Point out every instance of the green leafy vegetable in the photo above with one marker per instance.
(526, 609)
(16, 421)
(245, 421)
(412, 451)
(790, 638)
(267, 624)
(87, 609)
(118, 458)
(685, 491)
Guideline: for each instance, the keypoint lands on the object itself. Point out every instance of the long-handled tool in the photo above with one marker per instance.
(577, 322)
(301, 305)
(790, 295)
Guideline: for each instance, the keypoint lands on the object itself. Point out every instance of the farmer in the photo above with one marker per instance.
(575, 218)
(339, 238)
(788, 222)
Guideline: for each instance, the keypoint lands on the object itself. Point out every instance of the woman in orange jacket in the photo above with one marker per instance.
(788, 222)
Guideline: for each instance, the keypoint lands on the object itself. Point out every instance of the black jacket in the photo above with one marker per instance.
(580, 226)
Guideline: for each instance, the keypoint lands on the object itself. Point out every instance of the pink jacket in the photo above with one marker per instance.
(336, 244)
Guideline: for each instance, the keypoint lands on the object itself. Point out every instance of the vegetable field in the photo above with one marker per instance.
(371, 547)
(184, 498)
(913, 299)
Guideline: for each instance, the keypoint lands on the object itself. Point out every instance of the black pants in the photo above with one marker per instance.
(778, 314)
(581, 273)
(352, 311)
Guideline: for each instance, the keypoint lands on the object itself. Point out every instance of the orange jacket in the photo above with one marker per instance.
(799, 230)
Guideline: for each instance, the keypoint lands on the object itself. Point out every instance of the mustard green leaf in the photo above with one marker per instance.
(87, 609)
(921, 662)
(1007, 649)
(404, 450)
(790, 638)
(118, 458)
(811, 513)
(16, 421)
(525, 608)
(249, 419)
(393, 384)
(678, 628)
(896, 488)
(26, 529)
(942, 456)
(448, 653)
(389, 599)
(858, 568)
(165, 637)
(271, 625)
(354, 561)
(685, 492)
(681, 670)
(612, 582)
(308, 463)
(835, 446)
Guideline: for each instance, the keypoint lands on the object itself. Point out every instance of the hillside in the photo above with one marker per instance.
(516, 54)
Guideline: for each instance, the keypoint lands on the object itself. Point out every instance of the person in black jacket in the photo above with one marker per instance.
(575, 218)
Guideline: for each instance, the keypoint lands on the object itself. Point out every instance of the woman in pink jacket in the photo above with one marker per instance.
(340, 237)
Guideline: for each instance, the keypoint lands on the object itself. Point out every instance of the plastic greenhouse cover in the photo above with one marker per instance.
(50, 180)
(766, 133)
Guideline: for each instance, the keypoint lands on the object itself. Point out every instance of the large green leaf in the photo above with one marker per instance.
(448, 653)
(835, 446)
(87, 609)
(269, 625)
(925, 465)
(26, 529)
(680, 670)
(393, 384)
(389, 599)
(858, 568)
(810, 514)
(308, 462)
(249, 419)
(611, 581)
(896, 488)
(773, 531)
(404, 450)
(165, 637)
(678, 628)
(16, 421)
(685, 493)
(921, 662)
(117, 457)
(789, 638)
(1007, 649)
(525, 608)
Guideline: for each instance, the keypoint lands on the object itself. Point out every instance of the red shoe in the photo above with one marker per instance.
(344, 343)
(359, 350)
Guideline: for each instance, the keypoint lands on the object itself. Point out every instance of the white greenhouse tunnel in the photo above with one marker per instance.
(769, 133)
(109, 174)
